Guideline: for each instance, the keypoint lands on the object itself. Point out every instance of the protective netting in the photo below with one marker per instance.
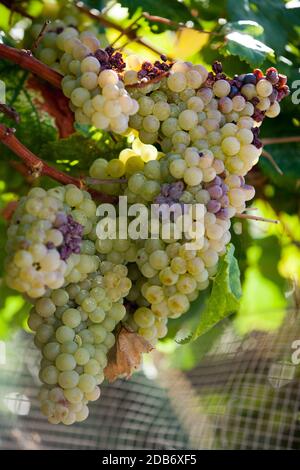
(245, 394)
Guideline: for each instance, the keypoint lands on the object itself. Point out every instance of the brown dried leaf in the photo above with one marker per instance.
(126, 354)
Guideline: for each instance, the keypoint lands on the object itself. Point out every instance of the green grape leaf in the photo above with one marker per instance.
(287, 157)
(244, 26)
(189, 355)
(274, 16)
(249, 49)
(77, 152)
(225, 295)
(184, 332)
(98, 4)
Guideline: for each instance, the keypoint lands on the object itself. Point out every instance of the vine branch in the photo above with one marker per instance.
(38, 167)
(257, 218)
(166, 21)
(11, 5)
(269, 157)
(280, 140)
(26, 60)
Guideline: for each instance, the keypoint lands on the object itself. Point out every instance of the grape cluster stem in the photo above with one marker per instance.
(131, 34)
(280, 140)
(256, 217)
(271, 159)
(166, 21)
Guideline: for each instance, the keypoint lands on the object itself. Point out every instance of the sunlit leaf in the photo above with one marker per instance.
(249, 49)
(244, 26)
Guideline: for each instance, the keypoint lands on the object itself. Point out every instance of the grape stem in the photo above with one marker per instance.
(272, 161)
(280, 140)
(127, 31)
(26, 60)
(257, 218)
(130, 33)
(40, 35)
(166, 21)
(146, 82)
(38, 167)
(95, 181)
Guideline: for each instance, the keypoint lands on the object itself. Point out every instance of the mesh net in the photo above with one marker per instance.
(244, 394)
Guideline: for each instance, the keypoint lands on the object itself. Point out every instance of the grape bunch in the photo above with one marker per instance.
(74, 330)
(210, 133)
(45, 237)
(92, 76)
(193, 135)
(190, 105)
(62, 15)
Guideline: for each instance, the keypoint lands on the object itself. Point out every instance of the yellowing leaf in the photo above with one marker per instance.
(188, 41)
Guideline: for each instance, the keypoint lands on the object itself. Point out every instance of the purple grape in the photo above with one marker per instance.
(165, 190)
(233, 91)
(272, 75)
(215, 192)
(223, 214)
(214, 206)
(217, 180)
(217, 67)
(249, 78)
(256, 141)
(258, 115)
(224, 201)
(225, 188)
(72, 233)
(273, 96)
(247, 187)
(176, 190)
(61, 219)
(170, 193)
(160, 199)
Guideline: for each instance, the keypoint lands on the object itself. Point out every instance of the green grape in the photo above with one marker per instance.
(65, 362)
(82, 356)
